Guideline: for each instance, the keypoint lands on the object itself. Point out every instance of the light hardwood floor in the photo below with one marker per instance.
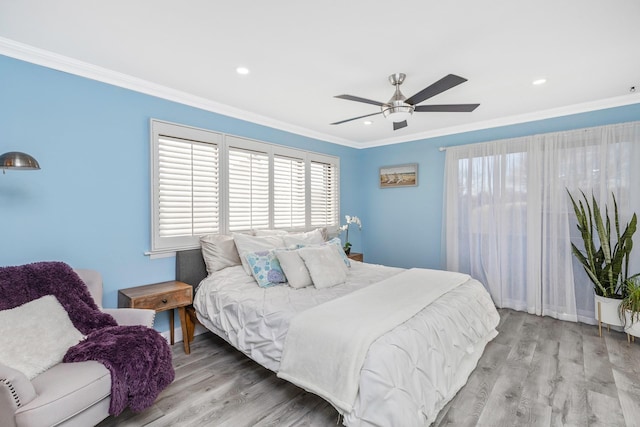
(537, 372)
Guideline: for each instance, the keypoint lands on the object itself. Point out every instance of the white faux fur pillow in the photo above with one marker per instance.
(35, 336)
(325, 265)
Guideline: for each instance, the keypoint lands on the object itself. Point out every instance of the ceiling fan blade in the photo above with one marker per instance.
(440, 86)
(453, 108)
(399, 125)
(356, 118)
(358, 99)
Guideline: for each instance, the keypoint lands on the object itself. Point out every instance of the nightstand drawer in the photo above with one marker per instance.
(158, 297)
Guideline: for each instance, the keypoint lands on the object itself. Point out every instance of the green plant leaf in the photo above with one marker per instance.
(607, 266)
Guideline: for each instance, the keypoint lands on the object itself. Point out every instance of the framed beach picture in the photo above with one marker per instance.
(399, 176)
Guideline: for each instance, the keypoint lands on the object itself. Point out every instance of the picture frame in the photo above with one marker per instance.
(398, 176)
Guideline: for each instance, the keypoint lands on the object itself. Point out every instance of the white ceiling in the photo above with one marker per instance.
(301, 54)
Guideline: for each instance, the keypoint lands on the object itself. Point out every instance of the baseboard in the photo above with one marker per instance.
(177, 333)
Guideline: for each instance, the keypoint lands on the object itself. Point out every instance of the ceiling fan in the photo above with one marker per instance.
(399, 108)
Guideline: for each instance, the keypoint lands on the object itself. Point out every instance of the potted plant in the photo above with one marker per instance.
(630, 307)
(350, 220)
(606, 255)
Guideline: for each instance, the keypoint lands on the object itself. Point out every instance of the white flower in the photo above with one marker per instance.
(353, 220)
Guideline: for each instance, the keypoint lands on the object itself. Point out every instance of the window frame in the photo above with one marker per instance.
(163, 247)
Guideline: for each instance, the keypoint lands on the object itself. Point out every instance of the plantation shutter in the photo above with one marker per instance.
(289, 201)
(248, 189)
(205, 182)
(324, 194)
(187, 190)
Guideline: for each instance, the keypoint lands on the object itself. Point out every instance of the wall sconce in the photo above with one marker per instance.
(18, 160)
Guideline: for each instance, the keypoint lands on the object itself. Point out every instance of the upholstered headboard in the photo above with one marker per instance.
(190, 267)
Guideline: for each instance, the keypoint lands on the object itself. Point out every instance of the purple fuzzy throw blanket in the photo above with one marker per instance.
(138, 358)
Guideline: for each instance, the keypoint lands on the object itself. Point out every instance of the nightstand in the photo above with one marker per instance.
(356, 256)
(160, 297)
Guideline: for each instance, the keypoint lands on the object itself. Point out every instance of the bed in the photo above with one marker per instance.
(407, 374)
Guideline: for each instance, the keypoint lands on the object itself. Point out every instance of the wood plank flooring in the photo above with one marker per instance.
(537, 372)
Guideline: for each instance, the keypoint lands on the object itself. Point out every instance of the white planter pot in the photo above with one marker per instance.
(607, 311)
(632, 329)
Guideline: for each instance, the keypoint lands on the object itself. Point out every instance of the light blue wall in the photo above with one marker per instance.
(89, 205)
(404, 225)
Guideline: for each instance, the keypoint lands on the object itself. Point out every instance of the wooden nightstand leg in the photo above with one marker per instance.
(191, 324)
(182, 311)
(171, 326)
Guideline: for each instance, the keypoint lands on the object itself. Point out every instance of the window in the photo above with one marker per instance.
(185, 184)
(207, 182)
(289, 192)
(324, 193)
(509, 221)
(248, 190)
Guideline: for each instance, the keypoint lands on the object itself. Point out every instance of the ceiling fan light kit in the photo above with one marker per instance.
(396, 109)
(399, 108)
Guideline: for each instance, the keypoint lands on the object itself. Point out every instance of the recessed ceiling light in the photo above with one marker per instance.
(367, 122)
(242, 71)
(539, 82)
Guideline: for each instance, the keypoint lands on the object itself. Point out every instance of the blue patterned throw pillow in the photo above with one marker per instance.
(266, 268)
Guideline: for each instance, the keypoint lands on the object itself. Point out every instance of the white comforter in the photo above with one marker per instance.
(409, 373)
(326, 345)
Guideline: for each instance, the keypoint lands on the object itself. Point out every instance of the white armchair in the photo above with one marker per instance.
(68, 394)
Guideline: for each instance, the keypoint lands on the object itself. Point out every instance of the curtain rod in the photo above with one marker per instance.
(442, 149)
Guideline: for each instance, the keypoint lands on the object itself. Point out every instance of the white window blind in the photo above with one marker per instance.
(206, 182)
(188, 184)
(186, 200)
(324, 194)
(248, 190)
(289, 192)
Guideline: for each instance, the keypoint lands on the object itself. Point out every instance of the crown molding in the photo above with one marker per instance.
(69, 65)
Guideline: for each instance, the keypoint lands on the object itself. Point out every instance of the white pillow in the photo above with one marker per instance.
(35, 336)
(219, 251)
(338, 244)
(269, 232)
(309, 238)
(325, 233)
(325, 265)
(249, 244)
(294, 268)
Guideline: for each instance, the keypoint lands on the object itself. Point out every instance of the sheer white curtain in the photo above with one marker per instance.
(508, 220)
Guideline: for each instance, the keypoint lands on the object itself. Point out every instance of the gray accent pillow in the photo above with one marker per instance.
(219, 251)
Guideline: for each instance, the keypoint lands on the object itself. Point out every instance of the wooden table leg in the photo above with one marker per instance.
(192, 321)
(171, 325)
(182, 311)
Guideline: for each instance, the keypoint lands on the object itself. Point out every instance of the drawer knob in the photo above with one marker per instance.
(164, 300)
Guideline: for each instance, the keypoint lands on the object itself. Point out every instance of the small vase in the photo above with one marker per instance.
(347, 250)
